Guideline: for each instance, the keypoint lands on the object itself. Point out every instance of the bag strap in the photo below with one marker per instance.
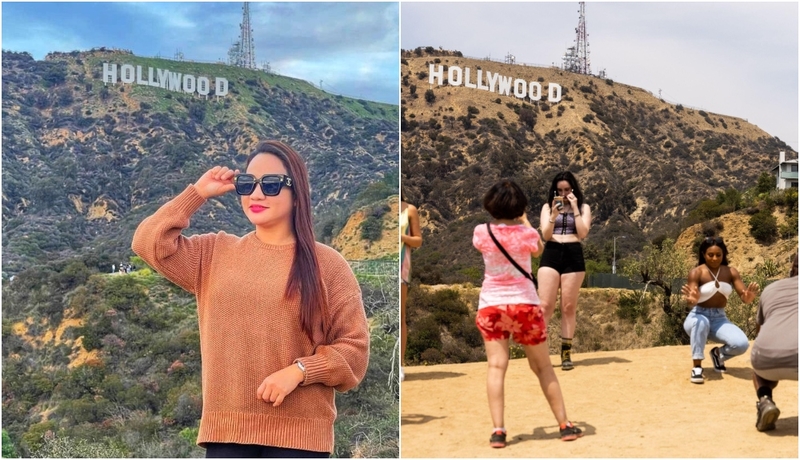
(530, 276)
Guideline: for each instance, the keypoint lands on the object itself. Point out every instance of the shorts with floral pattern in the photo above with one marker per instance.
(525, 322)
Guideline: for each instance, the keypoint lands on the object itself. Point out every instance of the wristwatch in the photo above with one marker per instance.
(302, 368)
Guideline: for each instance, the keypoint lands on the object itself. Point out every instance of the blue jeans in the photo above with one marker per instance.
(711, 323)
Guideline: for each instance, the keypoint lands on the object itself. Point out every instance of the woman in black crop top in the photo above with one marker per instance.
(565, 221)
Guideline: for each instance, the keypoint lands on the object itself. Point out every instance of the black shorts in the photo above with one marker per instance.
(563, 257)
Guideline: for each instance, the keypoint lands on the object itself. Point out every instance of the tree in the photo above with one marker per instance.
(8, 446)
(430, 97)
(764, 227)
(663, 267)
(766, 183)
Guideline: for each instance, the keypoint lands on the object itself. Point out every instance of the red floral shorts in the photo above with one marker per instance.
(525, 322)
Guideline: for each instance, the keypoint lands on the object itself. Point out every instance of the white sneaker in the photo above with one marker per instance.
(697, 375)
(402, 374)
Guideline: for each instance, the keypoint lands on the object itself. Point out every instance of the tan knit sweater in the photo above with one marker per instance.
(249, 331)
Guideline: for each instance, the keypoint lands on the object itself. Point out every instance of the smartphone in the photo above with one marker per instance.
(559, 202)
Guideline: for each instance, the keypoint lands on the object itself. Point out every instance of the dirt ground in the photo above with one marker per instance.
(632, 403)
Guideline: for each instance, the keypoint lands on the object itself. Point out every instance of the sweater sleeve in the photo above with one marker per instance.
(158, 240)
(341, 363)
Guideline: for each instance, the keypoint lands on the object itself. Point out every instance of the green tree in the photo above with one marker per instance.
(731, 199)
(764, 226)
(430, 97)
(766, 183)
(663, 268)
(8, 446)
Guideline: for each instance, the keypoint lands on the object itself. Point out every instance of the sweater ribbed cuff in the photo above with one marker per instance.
(188, 201)
(316, 369)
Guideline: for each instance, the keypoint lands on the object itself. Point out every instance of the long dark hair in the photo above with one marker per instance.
(709, 242)
(576, 189)
(304, 277)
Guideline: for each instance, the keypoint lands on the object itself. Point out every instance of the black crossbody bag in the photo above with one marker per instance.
(530, 276)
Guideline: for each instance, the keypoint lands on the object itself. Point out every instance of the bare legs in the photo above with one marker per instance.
(497, 355)
(497, 358)
(549, 282)
(403, 325)
(570, 284)
(759, 382)
(539, 361)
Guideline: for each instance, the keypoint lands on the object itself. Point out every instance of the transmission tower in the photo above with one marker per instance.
(510, 59)
(576, 59)
(243, 52)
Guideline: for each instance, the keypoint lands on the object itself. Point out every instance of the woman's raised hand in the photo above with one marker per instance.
(690, 293)
(750, 293)
(215, 182)
(573, 202)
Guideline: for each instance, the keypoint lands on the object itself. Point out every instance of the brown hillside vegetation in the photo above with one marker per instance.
(622, 116)
(643, 163)
(744, 252)
(352, 246)
(634, 403)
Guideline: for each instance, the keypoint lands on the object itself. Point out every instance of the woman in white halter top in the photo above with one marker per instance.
(410, 237)
(708, 288)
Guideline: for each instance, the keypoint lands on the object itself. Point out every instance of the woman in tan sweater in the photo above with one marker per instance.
(282, 324)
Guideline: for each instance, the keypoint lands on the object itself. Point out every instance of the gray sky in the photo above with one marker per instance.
(352, 47)
(737, 59)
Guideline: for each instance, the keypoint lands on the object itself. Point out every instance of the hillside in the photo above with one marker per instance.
(84, 161)
(643, 163)
(745, 253)
(108, 366)
(351, 242)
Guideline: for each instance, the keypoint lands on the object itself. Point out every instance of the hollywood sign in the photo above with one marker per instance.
(501, 84)
(164, 78)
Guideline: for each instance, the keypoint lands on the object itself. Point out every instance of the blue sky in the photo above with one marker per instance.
(352, 47)
(737, 59)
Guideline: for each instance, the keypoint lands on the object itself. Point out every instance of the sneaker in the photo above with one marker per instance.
(697, 375)
(498, 439)
(570, 432)
(566, 360)
(768, 413)
(402, 374)
(719, 363)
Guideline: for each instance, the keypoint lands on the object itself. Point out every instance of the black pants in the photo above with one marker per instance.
(231, 450)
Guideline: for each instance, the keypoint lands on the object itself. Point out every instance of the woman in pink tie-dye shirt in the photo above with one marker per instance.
(509, 305)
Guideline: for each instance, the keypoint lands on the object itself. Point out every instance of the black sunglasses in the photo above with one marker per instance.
(714, 240)
(271, 184)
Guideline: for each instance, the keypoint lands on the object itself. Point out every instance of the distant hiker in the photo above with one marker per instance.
(508, 304)
(774, 352)
(410, 237)
(282, 323)
(709, 285)
(565, 221)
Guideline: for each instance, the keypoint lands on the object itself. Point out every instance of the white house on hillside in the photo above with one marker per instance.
(785, 172)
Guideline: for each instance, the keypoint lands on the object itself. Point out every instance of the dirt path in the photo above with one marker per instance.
(633, 403)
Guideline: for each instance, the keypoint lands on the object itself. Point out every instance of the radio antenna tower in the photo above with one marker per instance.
(576, 59)
(243, 53)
